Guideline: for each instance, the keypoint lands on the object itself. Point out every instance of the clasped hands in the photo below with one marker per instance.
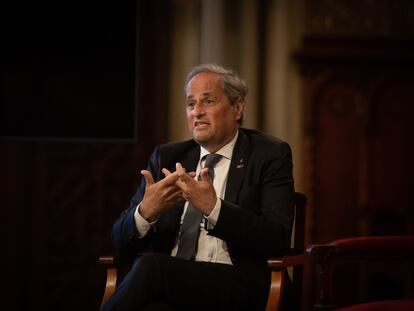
(175, 187)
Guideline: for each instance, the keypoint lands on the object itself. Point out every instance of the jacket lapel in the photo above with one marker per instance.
(237, 168)
(190, 159)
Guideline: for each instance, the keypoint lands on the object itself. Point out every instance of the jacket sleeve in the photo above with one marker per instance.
(260, 222)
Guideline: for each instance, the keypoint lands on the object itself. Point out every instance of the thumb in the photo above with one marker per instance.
(148, 178)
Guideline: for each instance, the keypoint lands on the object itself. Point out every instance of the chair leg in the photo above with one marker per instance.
(276, 288)
(110, 286)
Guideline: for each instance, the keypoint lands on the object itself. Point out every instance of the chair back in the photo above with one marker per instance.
(299, 246)
(300, 218)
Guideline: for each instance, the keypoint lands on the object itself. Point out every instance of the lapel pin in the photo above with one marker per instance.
(240, 165)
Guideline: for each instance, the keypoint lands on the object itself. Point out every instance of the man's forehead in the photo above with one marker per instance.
(205, 83)
(205, 94)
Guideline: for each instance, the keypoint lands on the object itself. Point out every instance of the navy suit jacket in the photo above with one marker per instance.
(256, 214)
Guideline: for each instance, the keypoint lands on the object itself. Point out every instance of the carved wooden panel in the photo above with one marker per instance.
(359, 146)
(338, 139)
(358, 18)
(362, 134)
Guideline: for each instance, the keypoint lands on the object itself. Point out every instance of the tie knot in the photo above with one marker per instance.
(211, 160)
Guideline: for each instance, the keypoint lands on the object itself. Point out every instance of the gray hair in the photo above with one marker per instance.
(233, 86)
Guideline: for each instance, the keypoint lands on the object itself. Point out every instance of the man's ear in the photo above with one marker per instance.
(239, 108)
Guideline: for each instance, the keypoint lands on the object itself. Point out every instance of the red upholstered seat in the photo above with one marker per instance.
(389, 305)
(374, 245)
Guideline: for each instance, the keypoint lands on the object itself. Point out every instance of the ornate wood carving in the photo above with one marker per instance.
(360, 17)
(359, 140)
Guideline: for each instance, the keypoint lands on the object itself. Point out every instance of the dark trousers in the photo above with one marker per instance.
(161, 282)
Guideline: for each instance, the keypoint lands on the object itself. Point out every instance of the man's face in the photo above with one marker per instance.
(210, 116)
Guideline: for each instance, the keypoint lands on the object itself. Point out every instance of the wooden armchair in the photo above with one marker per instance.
(278, 266)
(390, 249)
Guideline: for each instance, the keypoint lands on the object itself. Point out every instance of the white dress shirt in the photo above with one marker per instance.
(210, 249)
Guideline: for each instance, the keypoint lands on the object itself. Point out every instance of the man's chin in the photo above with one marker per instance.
(201, 139)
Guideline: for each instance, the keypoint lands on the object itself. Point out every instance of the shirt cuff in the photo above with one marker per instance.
(141, 223)
(214, 215)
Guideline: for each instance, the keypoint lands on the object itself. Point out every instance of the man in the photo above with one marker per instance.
(244, 201)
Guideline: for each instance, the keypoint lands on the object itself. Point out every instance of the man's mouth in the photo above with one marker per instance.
(200, 123)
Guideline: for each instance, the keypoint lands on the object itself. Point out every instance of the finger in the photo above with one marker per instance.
(148, 178)
(184, 177)
(204, 175)
(166, 171)
(179, 169)
(170, 178)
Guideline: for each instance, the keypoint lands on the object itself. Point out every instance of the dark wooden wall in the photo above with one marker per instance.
(359, 129)
(357, 67)
(59, 197)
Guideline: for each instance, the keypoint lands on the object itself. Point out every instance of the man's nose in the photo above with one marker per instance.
(198, 109)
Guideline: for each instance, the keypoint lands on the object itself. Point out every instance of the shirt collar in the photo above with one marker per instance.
(226, 151)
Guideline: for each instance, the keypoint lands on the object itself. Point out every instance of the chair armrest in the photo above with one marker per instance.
(278, 266)
(110, 262)
(293, 258)
(285, 262)
(107, 260)
(364, 248)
